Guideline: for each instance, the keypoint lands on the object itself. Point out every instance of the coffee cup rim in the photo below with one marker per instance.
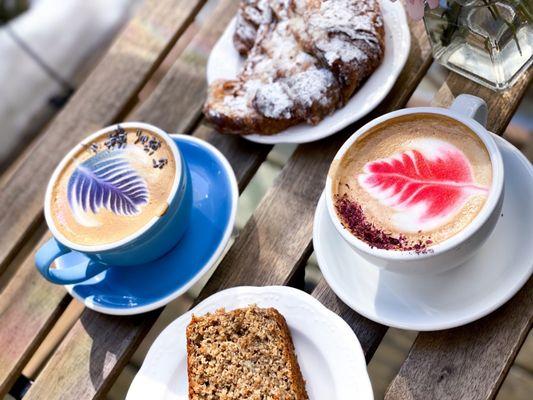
(178, 176)
(486, 211)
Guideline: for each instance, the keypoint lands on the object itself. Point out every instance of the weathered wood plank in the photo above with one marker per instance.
(186, 77)
(245, 157)
(305, 174)
(90, 358)
(268, 251)
(470, 362)
(60, 329)
(502, 105)
(368, 332)
(28, 301)
(467, 363)
(105, 95)
(28, 309)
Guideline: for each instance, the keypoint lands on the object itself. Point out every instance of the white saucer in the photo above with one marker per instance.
(329, 354)
(454, 298)
(225, 62)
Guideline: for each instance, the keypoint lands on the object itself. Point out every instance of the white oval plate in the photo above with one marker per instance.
(329, 354)
(454, 298)
(225, 63)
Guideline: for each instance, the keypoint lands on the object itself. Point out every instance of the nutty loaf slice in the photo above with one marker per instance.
(242, 354)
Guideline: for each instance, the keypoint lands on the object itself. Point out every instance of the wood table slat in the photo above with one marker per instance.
(502, 105)
(104, 96)
(369, 333)
(28, 297)
(310, 163)
(466, 363)
(244, 156)
(28, 309)
(470, 362)
(182, 90)
(283, 247)
(88, 361)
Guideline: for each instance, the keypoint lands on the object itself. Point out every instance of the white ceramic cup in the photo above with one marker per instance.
(454, 251)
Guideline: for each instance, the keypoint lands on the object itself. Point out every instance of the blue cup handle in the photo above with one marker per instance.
(51, 251)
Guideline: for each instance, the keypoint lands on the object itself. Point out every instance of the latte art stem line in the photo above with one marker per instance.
(469, 186)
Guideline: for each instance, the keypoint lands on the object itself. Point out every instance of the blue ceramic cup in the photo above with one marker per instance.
(153, 240)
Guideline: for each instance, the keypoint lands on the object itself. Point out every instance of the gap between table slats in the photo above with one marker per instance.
(284, 248)
(29, 305)
(108, 90)
(470, 362)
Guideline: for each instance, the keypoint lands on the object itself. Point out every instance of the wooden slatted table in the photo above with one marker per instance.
(464, 363)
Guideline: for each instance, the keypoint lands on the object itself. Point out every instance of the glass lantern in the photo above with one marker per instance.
(490, 42)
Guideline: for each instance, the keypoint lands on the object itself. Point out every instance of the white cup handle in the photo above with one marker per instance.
(471, 107)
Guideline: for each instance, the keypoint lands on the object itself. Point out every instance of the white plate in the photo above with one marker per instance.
(329, 354)
(457, 297)
(225, 62)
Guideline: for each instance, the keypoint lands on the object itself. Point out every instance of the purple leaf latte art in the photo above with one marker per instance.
(108, 181)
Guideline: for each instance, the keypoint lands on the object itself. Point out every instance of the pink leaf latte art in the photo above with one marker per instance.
(426, 185)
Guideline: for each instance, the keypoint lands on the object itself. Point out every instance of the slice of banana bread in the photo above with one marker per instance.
(242, 354)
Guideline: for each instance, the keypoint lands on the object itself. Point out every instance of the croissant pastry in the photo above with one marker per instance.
(304, 59)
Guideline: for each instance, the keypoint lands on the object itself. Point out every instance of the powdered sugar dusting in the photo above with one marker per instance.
(288, 74)
(285, 77)
(338, 26)
(346, 16)
(273, 101)
(336, 48)
(311, 86)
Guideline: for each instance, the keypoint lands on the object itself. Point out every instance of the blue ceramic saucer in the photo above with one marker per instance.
(138, 289)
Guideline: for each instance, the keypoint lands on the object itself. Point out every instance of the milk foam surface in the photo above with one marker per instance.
(422, 177)
(107, 193)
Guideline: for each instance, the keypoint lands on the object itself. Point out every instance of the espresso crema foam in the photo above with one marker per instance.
(412, 182)
(113, 187)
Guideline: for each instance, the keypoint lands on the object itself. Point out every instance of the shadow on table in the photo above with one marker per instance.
(110, 337)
